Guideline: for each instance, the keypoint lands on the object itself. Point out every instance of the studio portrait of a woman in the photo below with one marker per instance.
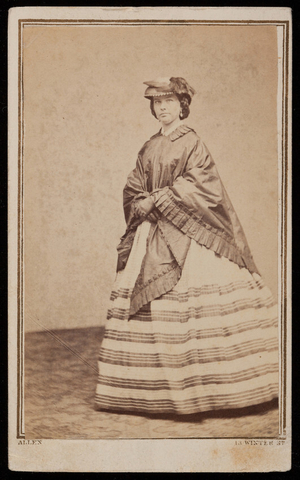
(191, 326)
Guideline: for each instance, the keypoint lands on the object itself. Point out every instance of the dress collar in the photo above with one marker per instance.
(179, 132)
(174, 134)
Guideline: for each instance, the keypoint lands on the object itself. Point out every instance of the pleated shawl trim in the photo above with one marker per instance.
(154, 288)
(204, 234)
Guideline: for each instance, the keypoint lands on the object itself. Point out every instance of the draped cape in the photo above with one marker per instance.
(190, 202)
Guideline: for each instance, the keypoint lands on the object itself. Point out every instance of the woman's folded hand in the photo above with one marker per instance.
(144, 207)
(153, 216)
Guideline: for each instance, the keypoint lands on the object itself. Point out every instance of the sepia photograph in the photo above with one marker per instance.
(149, 196)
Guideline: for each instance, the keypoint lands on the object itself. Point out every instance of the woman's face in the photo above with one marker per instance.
(167, 108)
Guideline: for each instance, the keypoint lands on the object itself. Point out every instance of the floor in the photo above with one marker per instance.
(60, 380)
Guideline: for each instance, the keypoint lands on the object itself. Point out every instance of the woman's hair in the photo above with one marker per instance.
(184, 101)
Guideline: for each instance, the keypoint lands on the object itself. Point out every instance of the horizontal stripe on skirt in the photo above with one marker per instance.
(236, 388)
(199, 403)
(196, 292)
(198, 312)
(209, 343)
(204, 333)
(188, 382)
(230, 367)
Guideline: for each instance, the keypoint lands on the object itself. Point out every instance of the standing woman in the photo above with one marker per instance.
(191, 325)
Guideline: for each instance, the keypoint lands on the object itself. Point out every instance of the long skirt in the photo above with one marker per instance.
(210, 343)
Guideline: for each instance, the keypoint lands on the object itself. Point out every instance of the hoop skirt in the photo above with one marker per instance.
(209, 343)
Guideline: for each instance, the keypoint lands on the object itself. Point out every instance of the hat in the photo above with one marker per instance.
(168, 86)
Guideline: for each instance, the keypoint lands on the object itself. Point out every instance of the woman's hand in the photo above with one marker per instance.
(144, 207)
(154, 216)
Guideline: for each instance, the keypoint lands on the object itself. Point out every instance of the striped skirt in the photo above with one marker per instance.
(210, 343)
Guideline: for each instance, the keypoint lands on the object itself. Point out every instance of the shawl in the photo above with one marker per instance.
(178, 171)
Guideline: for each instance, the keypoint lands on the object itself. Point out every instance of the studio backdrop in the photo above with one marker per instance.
(85, 119)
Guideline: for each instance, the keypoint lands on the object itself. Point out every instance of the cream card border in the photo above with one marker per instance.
(176, 455)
